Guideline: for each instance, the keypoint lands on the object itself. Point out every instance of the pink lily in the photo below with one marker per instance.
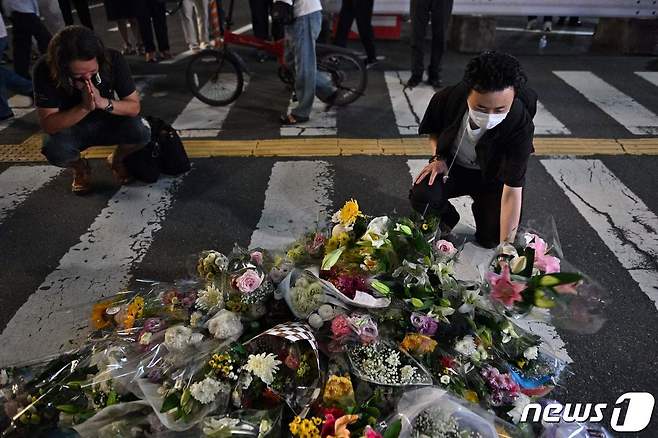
(503, 289)
(544, 262)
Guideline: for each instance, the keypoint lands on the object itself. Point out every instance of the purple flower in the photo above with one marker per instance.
(153, 325)
(425, 325)
(365, 328)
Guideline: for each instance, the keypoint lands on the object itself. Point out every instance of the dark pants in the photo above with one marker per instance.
(421, 12)
(152, 15)
(27, 26)
(97, 129)
(260, 14)
(362, 11)
(486, 201)
(82, 6)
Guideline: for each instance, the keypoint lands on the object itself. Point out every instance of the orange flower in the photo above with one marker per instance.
(416, 343)
(134, 311)
(98, 320)
(340, 428)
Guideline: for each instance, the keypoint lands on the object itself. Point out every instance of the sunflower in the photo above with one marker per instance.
(98, 319)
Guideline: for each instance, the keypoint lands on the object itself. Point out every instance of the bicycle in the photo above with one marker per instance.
(216, 76)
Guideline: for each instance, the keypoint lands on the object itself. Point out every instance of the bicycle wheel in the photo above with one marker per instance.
(214, 77)
(348, 74)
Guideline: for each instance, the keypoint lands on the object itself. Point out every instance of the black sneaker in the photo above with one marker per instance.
(414, 81)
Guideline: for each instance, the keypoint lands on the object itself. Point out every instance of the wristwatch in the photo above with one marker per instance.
(434, 158)
(109, 108)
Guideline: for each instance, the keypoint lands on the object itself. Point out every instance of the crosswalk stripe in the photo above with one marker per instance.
(619, 217)
(537, 322)
(18, 105)
(547, 124)
(463, 204)
(298, 195)
(409, 104)
(55, 317)
(651, 76)
(320, 123)
(202, 120)
(633, 116)
(18, 182)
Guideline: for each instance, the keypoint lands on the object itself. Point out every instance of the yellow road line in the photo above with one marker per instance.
(30, 149)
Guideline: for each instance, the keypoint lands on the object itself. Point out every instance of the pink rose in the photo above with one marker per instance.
(445, 247)
(257, 257)
(249, 281)
(369, 432)
(340, 327)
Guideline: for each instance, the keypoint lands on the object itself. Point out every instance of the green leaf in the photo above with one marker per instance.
(393, 431)
(331, 258)
(170, 402)
(68, 409)
(417, 303)
(373, 412)
(380, 287)
(112, 398)
(405, 229)
(186, 398)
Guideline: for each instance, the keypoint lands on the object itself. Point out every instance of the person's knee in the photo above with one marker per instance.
(136, 130)
(424, 197)
(60, 150)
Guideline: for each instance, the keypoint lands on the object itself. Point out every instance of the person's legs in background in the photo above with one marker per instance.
(420, 16)
(82, 7)
(67, 12)
(203, 21)
(259, 18)
(345, 19)
(159, 16)
(142, 13)
(52, 15)
(441, 11)
(11, 81)
(27, 26)
(363, 12)
(188, 24)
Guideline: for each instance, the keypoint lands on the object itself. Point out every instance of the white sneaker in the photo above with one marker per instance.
(548, 26)
(531, 24)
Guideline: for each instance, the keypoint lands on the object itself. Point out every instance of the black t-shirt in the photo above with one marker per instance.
(115, 78)
(502, 152)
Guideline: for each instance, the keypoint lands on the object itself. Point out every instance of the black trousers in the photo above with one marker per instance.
(362, 11)
(421, 12)
(152, 15)
(27, 26)
(462, 182)
(82, 6)
(260, 14)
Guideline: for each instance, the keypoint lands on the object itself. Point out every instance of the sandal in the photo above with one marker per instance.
(290, 119)
(81, 184)
(119, 171)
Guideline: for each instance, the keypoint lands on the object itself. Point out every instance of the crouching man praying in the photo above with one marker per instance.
(85, 96)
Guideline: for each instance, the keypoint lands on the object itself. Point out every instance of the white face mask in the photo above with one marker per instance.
(485, 120)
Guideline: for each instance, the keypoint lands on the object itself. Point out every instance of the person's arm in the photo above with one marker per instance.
(510, 212)
(437, 165)
(128, 106)
(52, 120)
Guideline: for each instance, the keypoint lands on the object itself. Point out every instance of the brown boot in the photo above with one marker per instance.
(81, 177)
(119, 171)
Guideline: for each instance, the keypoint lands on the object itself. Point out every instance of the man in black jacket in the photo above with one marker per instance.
(481, 134)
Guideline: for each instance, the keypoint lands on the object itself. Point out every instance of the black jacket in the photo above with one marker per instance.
(503, 151)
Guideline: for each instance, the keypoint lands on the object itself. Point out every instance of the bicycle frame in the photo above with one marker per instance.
(275, 48)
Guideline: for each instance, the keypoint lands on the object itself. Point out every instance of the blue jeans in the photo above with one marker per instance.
(97, 129)
(12, 81)
(300, 40)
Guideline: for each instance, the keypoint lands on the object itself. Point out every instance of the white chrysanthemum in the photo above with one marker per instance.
(407, 373)
(445, 379)
(215, 427)
(263, 366)
(466, 346)
(531, 353)
(210, 298)
(206, 390)
(519, 405)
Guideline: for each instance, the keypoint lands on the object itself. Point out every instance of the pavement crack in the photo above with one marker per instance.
(650, 260)
(408, 99)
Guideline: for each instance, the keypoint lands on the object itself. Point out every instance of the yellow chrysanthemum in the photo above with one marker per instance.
(471, 396)
(348, 214)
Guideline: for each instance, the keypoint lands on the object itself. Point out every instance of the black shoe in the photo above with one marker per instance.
(435, 82)
(414, 81)
(370, 63)
(575, 22)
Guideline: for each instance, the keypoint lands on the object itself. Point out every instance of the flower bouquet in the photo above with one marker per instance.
(245, 422)
(283, 366)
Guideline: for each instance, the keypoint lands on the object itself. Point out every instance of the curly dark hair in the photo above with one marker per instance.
(494, 71)
(74, 43)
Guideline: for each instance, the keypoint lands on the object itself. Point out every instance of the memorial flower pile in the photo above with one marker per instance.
(345, 333)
